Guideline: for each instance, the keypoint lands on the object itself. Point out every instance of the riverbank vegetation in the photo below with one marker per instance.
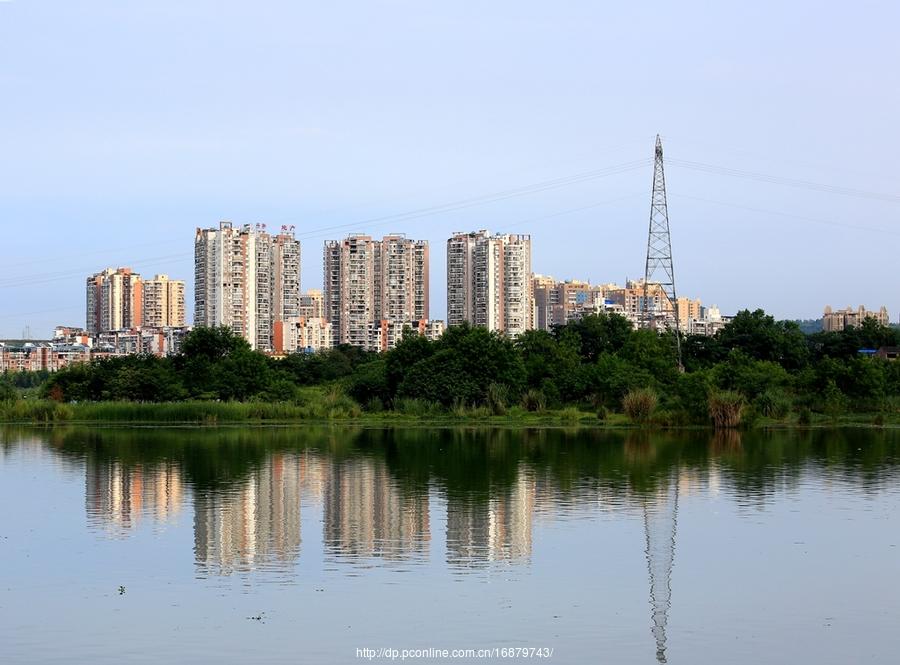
(595, 370)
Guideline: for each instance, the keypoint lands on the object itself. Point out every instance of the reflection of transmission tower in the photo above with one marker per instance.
(659, 270)
(660, 517)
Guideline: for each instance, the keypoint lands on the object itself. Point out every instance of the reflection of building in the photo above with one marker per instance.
(366, 514)
(258, 524)
(496, 530)
(118, 496)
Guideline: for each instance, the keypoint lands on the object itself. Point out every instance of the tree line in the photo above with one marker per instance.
(600, 363)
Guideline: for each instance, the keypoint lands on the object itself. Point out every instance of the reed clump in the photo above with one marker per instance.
(639, 405)
(726, 407)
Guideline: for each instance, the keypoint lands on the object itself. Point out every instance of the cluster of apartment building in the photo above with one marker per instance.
(120, 299)
(557, 303)
(834, 321)
(75, 345)
(248, 280)
(489, 281)
(125, 314)
(373, 289)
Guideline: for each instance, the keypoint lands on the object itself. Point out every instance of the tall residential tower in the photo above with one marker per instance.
(163, 302)
(489, 281)
(246, 279)
(114, 300)
(369, 283)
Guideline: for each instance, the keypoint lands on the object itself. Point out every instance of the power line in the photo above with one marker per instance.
(462, 204)
(779, 180)
(503, 195)
(805, 218)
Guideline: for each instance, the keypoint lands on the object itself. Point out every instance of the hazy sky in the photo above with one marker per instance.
(125, 125)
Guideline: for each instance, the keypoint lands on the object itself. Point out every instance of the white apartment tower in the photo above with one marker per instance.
(369, 281)
(246, 279)
(489, 281)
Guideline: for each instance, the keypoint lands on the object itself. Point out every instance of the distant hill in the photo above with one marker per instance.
(809, 326)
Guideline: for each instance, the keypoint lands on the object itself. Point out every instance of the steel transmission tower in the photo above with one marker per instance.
(659, 268)
(660, 520)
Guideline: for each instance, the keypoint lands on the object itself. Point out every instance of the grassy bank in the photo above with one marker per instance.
(335, 407)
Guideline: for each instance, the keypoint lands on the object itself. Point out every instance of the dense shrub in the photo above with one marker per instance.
(772, 404)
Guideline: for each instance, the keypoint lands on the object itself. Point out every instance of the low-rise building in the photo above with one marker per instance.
(303, 335)
(385, 335)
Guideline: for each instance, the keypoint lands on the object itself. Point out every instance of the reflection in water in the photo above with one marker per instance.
(367, 515)
(498, 529)
(256, 524)
(660, 518)
(117, 497)
(379, 491)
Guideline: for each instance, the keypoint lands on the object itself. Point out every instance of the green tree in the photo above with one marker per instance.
(370, 381)
(611, 377)
(598, 334)
(410, 350)
(212, 343)
(7, 392)
(750, 377)
(761, 337)
(551, 359)
(466, 362)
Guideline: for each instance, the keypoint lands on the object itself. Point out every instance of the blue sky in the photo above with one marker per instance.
(123, 126)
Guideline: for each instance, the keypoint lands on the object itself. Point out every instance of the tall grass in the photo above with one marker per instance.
(419, 408)
(772, 404)
(34, 411)
(497, 398)
(726, 408)
(639, 405)
(312, 406)
(534, 400)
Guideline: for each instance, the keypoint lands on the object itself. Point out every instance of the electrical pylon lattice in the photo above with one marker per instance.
(659, 306)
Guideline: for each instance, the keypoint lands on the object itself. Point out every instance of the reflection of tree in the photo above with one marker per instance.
(472, 466)
(478, 462)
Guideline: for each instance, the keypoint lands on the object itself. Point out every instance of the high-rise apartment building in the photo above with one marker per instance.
(246, 279)
(114, 300)
(369, 281)
(163, 302)
(489, 281)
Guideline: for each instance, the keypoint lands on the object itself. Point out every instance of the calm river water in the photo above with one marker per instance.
(256, 545)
